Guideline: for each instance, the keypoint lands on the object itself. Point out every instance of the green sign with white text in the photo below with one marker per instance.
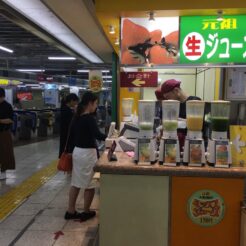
(204, 39)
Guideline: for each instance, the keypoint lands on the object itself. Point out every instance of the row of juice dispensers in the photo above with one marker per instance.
(168, 153)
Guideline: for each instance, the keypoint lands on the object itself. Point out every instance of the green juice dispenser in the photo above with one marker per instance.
(145, 151)
(219, 151)
(169, 154)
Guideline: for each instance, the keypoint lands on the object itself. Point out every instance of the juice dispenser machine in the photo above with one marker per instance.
(127, 104)
(145, 150)
(194, 149)
(127, 128)
(169, 153)
(219, 150)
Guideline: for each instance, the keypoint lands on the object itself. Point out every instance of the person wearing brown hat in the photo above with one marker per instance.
(158, 94)
(170, 89)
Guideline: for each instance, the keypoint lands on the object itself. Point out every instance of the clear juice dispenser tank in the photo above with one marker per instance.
(220, 114)
(194, 114)
(146, 114)
(127, 104)
(170, 113)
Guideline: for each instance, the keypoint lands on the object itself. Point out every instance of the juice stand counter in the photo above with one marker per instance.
(168, 206)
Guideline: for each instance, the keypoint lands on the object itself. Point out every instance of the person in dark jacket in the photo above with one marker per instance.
(7, 160)
(67, 112)
(84, 132)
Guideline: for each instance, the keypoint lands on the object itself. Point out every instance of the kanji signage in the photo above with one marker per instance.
(139, 79)
(208, 40)
(206, 208)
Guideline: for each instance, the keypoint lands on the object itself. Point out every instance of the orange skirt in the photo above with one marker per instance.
(7, 159)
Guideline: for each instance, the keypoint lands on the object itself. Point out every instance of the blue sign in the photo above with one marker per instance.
(71, 81)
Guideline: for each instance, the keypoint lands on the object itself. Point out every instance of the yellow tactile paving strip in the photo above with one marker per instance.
(12, 199)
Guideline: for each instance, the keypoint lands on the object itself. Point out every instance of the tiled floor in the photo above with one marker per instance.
(39, 219)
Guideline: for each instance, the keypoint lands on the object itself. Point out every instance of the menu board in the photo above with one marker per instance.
(236, 84)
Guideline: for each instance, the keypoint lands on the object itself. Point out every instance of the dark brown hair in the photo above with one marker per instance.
(87, 98)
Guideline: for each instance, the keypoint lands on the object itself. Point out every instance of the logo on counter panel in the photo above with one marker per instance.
(206, 208)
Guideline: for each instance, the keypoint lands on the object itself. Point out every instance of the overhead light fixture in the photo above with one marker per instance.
(220, 15)
(38, 13)
(61, 58)
(151, 16)
(30, 70)
(83, 71)
(117, 42)
(6, 49)
(33, 85)
(111, 30)
(87, 70)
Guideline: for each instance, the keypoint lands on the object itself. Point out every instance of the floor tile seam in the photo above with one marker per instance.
(21, 233)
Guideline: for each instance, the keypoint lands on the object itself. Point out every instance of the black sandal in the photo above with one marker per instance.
(74, 216)
(87, 215)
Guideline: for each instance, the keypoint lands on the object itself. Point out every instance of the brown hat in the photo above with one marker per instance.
(159, 94)
(169, 85)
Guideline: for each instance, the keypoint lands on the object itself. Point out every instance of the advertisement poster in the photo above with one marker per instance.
(51, 97)
(95, 80)
(24, 95)
(206, 208)
(145, 42)
(195, 152)
(238, 149)
(209, 40)
(144, 150)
